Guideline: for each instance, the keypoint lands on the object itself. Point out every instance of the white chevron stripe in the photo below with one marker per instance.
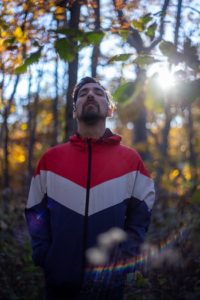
(144, 190)
(110, 193)
(37, 189)
(66, 192)
(102, 196)
(60, 189)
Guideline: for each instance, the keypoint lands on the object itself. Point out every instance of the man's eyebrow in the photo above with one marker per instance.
(95, 88)
(99, 89)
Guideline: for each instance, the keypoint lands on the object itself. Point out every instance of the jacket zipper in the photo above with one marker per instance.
(85, 233)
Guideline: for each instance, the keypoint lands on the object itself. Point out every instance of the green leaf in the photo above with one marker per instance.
(146, 18)
(150, 32)
(85, 38)
(9, 41)
(167, 48)
(120, 57)
(94, 38)
(190, 54)
(3, 24)
(21, 69)
(33, 58)
(124, 91)
(138, 24)
(69, 31)
(124, 34)
(144, 60)
(65, 49)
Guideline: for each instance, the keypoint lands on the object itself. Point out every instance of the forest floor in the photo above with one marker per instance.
(169, 269)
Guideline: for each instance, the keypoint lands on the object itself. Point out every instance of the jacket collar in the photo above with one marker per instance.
(108, 138)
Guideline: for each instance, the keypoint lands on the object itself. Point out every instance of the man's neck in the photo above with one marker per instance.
(87, 131)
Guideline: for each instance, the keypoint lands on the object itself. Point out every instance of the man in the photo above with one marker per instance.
(83, 188)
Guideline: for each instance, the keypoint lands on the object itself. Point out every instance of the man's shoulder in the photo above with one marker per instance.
(129, 150)
(57, 149)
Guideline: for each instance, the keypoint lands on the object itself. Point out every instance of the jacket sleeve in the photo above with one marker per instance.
(37, 216)
(138, 211)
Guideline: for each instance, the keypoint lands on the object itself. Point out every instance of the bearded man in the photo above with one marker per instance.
(83, 188)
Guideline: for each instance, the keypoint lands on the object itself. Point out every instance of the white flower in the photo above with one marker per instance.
(117, 235)
(96, 256)
(104, 240)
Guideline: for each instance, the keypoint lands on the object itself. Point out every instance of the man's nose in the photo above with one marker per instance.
(90, 94)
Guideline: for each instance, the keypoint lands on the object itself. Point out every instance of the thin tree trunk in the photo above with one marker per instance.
(6, 182)
(140, 130)
(192, 154)
(5, 134)
(178, 22)
(96, 49)
(55, 106)
(32, 122)
(165, 131)
(70, 125)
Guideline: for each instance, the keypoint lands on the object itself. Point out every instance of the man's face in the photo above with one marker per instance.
(92, 104)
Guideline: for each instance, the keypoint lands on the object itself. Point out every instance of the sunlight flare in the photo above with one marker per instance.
(165, 79)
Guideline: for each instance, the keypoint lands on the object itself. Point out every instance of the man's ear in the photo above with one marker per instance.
(74, 111)
(74, 114)
(110, 112)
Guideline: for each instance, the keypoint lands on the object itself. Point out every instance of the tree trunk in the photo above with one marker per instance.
(96, 49)
(5, 136)
(163, 147)
(178, 22)
(192, 154)
(6, 182)
(55, 107)
(140, 130)
(70, 125)
(32, 122)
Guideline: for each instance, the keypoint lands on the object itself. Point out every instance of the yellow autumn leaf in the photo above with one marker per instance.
(38, 13)
(18, 33)
(173, 174)
(21, 158)
(24, 126)
(60, 17)
(13, 109)
(1, 104)
(23, 39)
(59, 10)
(51, 3)
(18, 60)
(2, 46)
(60, 13)
(25, 7)
(18, 154)
(187, 172)
(4, 34)
(47, 119)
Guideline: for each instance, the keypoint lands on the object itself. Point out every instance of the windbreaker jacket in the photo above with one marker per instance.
(80, 189)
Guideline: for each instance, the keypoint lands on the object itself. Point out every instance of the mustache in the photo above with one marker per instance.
(88, 102)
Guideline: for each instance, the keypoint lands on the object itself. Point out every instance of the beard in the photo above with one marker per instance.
(90, 115)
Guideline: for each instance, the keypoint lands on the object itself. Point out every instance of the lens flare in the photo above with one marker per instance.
(151, 255)
(165, 79)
